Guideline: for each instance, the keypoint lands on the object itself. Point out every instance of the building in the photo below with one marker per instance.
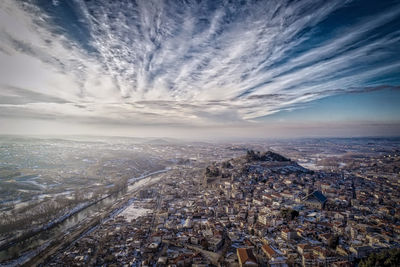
(315, 200)
(342, 264)
(269, 252)
(288, 234)
(303, 248)
(361, 251)
(274, 259)
(278, 262)
(246, 257)
(215, 243)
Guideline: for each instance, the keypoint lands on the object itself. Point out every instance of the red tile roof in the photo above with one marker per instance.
(245, 255)
(269, 251)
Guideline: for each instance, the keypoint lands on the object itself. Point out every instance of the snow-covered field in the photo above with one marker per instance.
(141, 181)
(133, 212)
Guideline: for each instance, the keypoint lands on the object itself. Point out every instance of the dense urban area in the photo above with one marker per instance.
(159, 202)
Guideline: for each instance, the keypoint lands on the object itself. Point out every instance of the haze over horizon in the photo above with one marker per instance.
(200, 69)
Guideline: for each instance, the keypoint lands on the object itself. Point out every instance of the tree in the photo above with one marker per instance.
(387, 258)
(289, 214)
(293, 214)
(226, 165)
(204, 243)
(212, 171)
(333, 241)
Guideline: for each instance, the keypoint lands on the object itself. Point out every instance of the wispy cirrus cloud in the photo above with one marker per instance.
(187, 62)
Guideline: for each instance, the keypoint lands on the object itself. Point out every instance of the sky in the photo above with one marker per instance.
(200, 69)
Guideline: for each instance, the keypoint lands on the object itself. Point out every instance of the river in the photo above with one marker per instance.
(23, 250)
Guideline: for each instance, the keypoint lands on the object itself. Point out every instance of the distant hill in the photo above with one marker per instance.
(267, 156)
(161, 141)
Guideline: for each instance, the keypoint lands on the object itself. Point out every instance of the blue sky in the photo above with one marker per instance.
(200, 67)
(376, 106)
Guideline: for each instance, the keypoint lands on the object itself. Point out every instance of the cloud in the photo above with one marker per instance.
(188, 63)
(19, 96)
